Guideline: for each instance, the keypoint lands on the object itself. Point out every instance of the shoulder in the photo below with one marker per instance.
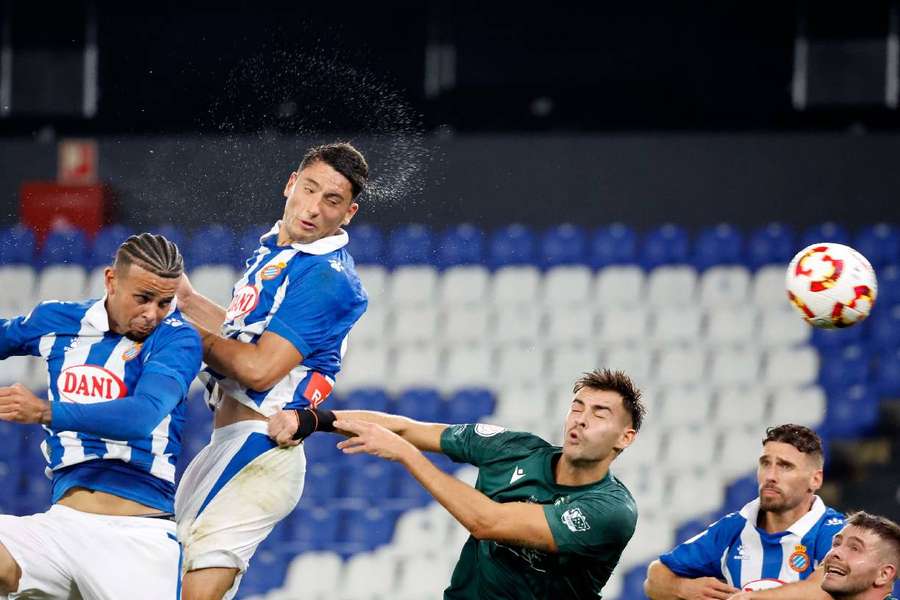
(175, 327)
(503, 442)
(53, 314)
(331, 274)
(831, 521)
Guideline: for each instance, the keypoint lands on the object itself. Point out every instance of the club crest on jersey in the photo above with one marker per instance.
(575, 520)
(244, 301)
(271, 271)
(799, 560)
(132, 352)
(486, 430)
(89, 383)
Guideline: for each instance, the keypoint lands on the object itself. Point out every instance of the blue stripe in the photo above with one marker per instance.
(773, 556)
(255, 445)
(54, 365)
(733, 565)
(180, 562)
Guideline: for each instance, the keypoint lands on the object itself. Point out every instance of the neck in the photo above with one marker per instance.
(567, 472)
(772, 522)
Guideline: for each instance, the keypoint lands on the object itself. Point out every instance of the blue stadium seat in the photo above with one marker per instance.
(633, 583)
(367, 399)
(690, 528)
(828, 340)
(406, 486)
(884, 328)
(17, 245)
(888, 287)
(247, 243)
(852, 411)
(368, 527)
(740, 492)
(844, 366)
(322, 479)
(67, 246)
(421, 404)
(771, 244)
(824, 232)
(315, 526)
(269, 567)
(470, 405)
(461, 245)
(665, 245)
(512, 245)
(211, 245)
(887, 378)
(411, 245)
(564, 244)
(366, 244)
(106, 243)
(721, 244)
(372, 480)
(322, 449)
(880, 243)
(614, 244)
(173, 234)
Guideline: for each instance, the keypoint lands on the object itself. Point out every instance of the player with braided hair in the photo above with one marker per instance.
(119, 370)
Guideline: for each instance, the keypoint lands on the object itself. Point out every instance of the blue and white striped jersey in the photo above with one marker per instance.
(89, 364)
(308, 294)
(735, 549)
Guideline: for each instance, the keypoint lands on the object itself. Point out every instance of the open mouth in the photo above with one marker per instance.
(835, 570)
(307, 225)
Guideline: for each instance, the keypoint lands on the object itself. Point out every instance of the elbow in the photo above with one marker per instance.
(256, 377)
(482, 528)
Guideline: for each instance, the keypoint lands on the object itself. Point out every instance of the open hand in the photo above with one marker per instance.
(372, 439)
(19, 405)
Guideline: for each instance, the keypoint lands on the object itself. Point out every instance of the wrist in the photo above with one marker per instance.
(46, 414)
(409, 454)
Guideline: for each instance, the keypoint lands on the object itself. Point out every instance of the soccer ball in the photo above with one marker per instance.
(832, 285)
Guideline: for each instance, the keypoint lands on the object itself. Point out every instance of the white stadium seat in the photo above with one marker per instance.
(364, 366)
(672, 286)
(464, 325)
(371, 328)
(216, 282)
(375, 282)
(636, 361)
(769, 289)
(515, 285)
(96, 283)
(61, 282)
(313, 575)
(422, 577)
(800, 405)
(463, 285)
(791, 366)
(783, 328)
(467, 366)
(569, 325)
(741, 407)
(563, 286)
(566, 363)
(413, 325)
(674, 325)
(519, 403)
(618, 286)
(17, 283)
(724, 286)
(16, 369)
(366, 576)
(735, 366)
(653, 535)
(623, 325)
(694, 493)
(517, 324)
(412, 286)
(685, 405)
(415, 366)
(739, 451)
(681, 365)
(732, 325)
(691, 448)
(520, 365)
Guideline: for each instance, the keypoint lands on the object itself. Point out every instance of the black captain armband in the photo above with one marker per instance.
(313, 419)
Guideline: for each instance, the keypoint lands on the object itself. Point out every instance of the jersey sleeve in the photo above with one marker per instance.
(178, 355)
(317, 306)
(832, 524)
(592, 523)
(701, 555)
(21, 336)
(480, 444)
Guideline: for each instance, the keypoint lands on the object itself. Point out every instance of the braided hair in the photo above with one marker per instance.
(153, 253)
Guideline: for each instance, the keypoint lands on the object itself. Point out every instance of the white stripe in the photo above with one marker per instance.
(788, 543)
(116, 364)
(161, 466)
(723, 561)
(751, 568)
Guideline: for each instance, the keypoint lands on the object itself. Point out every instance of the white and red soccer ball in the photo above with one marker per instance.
(831, 285)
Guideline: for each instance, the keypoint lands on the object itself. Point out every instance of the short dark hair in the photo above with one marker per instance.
(884, 528)
(343, 158)
(151, 252)
(802, 438)
(607, 380)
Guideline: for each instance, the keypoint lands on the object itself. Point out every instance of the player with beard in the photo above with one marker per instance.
(774, 544)
(864, 559)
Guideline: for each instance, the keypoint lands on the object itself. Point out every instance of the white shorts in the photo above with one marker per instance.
(233, 494)
(71, 555)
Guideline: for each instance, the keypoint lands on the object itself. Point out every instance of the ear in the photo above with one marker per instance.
(289, 187)
(351, 212)
(886, 574)
(816, 481)
(109, 281)
(626, 439)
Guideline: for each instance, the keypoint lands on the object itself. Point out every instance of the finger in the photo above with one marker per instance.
(720, 594)
(356, 450)
(724, 587)
(351, 442)
(5, 391)
(349, 425)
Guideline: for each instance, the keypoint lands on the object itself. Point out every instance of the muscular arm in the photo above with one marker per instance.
(257, 366)
(808, 589)
(200, 310)
(663, 584)
(424, 436)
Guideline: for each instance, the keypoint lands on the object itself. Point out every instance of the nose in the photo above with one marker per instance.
(310, 205)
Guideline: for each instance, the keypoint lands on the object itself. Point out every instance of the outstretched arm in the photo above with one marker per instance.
(663, 584)
(516, 523)
(808, 589)
(200, 310)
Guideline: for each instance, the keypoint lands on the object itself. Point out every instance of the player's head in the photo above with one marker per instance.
(605, 415)
(864, 557)
(321, 194)
(790, 467)
(141, 283)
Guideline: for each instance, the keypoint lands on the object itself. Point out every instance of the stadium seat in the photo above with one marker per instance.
(637, 460)
(617, 286)
(680, 366)
(470, 405)
(724, 286)
(512, 245)
(722, 244)
(17, 244)
(415, 366)
(791, 366)
(566, 286)
(247, 244)
(460, 245)
(771, 244)
(623, 325)
(519, 365)
(567, 362)
(463, 285)
(568, 325)
(740, 407)
(564, 244)
(732, 325)
(824, 232)
(413, 325)
(313, 575)
(693, 493)
(852, 411)
(63, 282)
(421, 404)
(672, 286)
(666, 245)
(685, 405)
(885, 329)
(17, 287)
(318, 528)
(768, 289)
(690, 448)
(321, 484)
(106, 243)
(735, 366)
(887, 379)
(636, 361)
(375, 281)
(411, 245)
(783, 328)
(844, 366)
(830, 340)
(800, 405)
(15, 370)
(423, 577)
(372, 327)
(211, 245)
(464, 325)
(216, 282)
(675, 325)
(408, 488)
(467, 366)
(879, 243)
(515, 285)
(366, 244)
(95, 285)
(364, 367)
(371, 480)
(412, 286)
(173, 233)
(365, 576)
(65, 246)
(740, 492)
(739, 449)
(517, 325)
(888, 286)
(614, 244)
(368, 528)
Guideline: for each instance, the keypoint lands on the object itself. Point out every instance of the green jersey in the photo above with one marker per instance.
(591, 524)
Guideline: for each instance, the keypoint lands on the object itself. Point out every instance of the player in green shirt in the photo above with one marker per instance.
(546, 522)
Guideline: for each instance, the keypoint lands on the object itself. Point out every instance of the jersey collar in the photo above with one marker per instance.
(97, 317)
(803, 524)
(326, 245)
